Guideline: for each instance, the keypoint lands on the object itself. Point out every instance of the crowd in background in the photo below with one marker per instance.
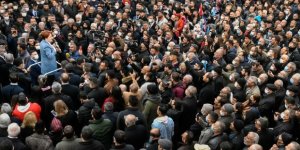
(150, 74)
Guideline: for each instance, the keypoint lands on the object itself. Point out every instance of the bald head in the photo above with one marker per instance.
(255, 147)
(155, 133)
(130, 120)
(134, 88)
(64, 77)
(278, 83)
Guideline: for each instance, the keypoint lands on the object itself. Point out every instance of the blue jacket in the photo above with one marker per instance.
(48, 58)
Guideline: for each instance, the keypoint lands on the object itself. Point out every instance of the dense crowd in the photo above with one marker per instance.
(149, 74)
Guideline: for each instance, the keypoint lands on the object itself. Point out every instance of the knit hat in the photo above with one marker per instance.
(228, 108)
(238, 124)
(165, 144)
(241, 82)
(4, 120)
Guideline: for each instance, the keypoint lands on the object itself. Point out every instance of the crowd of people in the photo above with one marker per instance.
(150, 74)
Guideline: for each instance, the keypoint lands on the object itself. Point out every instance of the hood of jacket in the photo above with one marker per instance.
(156, 98)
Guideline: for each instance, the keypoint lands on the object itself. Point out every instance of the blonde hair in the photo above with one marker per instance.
(29, 120)
(60, 107)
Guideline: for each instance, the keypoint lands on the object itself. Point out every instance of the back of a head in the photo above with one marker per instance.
(39, 127)
(68, 132)
(97, 113)
(4, 120)
(64, 77)
(119, 136)
(13, 130)
(22, 99)
(6, 108)
(69, 67)
(152, 89)
(163, 108)
(133, 101)
(13, 77)
(130, 120)
(56, 87)
(86, 133)
(165, 144)
(9, 58)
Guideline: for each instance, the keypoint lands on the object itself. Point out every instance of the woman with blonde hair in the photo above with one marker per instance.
(66, 116)
(28, 124)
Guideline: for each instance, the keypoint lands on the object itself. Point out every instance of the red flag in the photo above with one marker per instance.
(200, 10)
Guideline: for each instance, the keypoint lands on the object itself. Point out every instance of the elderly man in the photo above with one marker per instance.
(136, 135)
(218, 135)
(250, 139)
(252, 88)
(188, 108)
(13, 131)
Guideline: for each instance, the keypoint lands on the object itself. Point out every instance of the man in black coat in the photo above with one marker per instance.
(12, 89)
(74, 78)
(49, 101)
(24, 78)
(266, 136)
(5, 67)
(86, 142)
(97, 93)
(70, 90)
(267, 103)
(13, 131)
(136, 135)
(207, 93)
(132, 109)
(188, 108)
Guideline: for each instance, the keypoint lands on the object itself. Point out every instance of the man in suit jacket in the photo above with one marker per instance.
(12, 89)
(70, 90)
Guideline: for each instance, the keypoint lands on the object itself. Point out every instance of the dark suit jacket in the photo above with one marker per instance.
(74, 79)
(266, 105)
(136, 135)
(4, 75)
(73, 92)
(98, 94)
(17, 143)
(8, 91)
(207, 94)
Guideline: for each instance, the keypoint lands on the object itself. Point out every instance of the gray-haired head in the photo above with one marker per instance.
(6, 108)
(56, 87)
(9, 58)
(4, 120)
(13, 130)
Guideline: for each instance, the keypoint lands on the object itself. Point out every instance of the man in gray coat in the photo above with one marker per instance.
(68, 142)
